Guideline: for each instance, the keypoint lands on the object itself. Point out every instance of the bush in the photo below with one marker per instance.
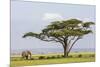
(92, 55)
(32, 59)
(79, 56)
(42, 57)
(48, 57)
(58, 56)
(53, 57)
(62, 55)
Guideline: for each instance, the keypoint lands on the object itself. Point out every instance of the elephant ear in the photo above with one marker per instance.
(28, 52)
(23, 54)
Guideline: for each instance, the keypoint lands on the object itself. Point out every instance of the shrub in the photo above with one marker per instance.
(32, 59)
(53, 57)
(62, 55)
(92, 55)
(42, 57)
(79, 56)
(58, 56)
(48, 57)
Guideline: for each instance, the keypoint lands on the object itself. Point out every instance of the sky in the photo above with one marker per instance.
(34, 16)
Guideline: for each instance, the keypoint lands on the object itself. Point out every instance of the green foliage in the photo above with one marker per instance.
(80, 55)
(53, 57)
(32, 59)
(92, 55)
(58, 56)
(87, 24)
(48, 57)
(62, 55)
(42, 57)
(30, 34)
(63, 28)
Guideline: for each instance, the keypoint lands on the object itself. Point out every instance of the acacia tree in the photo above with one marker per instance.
(65, 32)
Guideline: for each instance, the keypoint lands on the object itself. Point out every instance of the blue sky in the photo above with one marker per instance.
(34, 16)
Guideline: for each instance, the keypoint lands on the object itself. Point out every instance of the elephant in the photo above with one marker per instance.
(26, 54)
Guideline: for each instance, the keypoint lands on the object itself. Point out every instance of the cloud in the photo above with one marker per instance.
(89, 19)
(52, 16)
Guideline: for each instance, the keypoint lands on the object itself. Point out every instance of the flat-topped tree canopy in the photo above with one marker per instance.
(71, 27)
(66, 32)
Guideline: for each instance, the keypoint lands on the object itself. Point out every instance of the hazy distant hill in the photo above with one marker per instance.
(51, 50)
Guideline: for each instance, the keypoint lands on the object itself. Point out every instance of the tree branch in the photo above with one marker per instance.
(71, 40)
(73, 44)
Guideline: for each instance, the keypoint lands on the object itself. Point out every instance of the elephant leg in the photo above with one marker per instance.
(29, 56)
(26, 57)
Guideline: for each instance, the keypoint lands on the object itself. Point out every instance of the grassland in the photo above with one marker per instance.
(53, 59)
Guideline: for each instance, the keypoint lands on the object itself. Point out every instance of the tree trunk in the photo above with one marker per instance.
(65, 52)
(65, 48)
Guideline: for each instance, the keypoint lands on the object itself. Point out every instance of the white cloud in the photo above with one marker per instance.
(52, 16)
(88, 19)
(85, 19)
